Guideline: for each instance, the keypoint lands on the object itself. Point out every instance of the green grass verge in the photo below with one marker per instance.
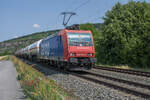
(35, 85)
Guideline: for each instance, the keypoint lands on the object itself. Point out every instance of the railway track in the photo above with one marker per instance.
(111, 82)
(126, 71)
(120, 80)
(102, 80)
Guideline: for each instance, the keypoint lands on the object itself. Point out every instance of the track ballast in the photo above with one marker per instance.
(127, 71)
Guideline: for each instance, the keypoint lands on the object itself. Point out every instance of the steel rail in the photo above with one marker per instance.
(127, 71)
(127, 90)
(120, 80)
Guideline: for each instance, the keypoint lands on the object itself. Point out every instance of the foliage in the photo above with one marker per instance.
(126, 35)
(95, 32)
(98, 26)
(5, 53)
(35, 85)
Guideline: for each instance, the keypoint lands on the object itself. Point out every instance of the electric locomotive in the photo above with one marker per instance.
(71, 48)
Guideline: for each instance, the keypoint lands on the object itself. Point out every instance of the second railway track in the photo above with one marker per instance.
(101, 79)
(127, 71)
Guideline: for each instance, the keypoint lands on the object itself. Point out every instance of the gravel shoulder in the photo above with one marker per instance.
(10, 88)
(83, 89)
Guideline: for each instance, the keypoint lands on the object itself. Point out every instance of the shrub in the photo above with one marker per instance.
(35, 85)
(126, 35)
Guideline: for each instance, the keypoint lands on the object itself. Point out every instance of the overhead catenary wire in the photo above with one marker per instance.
(51, 26)
(90, 21)
(74, 10)
(84, 3)
(71, 13)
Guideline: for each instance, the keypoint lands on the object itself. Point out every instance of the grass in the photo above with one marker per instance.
(117, 66)
(35, 85)
(126, 67)
(2, 57)
(6, 57)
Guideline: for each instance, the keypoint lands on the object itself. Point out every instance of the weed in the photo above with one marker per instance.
(35, 85)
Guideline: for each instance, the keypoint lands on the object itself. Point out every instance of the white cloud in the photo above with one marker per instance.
(16, 36)
(36, 25)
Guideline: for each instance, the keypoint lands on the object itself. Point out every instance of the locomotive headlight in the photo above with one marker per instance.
(72, 54)
(90, 54)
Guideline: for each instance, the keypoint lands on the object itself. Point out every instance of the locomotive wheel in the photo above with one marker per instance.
(91, 65)
(58, 65)
(66, 67)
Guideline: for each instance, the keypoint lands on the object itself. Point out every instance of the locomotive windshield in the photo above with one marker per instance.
(80, 39)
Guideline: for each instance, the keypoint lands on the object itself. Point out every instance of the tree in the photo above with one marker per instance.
(126, 35)
(95, 32)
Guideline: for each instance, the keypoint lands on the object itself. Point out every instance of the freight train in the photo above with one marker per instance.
(70, 48)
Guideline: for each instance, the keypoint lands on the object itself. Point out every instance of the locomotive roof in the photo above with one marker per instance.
(78, 31)
(66, 30)
(52, 35)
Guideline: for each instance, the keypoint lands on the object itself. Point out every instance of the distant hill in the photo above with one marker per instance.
(12, 45)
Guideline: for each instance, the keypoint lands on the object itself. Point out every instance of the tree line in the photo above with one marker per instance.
(124, 38)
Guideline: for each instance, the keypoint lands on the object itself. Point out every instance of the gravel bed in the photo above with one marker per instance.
(134, 78)
(142, 90)
(86, 90)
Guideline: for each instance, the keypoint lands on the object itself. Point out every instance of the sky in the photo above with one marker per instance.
(23, 17)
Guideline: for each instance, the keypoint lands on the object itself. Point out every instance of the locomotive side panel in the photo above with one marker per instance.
(51, 48)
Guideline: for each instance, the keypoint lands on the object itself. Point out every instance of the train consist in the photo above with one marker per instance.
(70, 48)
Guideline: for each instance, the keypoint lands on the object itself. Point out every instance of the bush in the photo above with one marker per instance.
(126, 35)
(35, 85)
(96, 35)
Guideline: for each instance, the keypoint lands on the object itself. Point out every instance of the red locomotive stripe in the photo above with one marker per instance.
(34, 48)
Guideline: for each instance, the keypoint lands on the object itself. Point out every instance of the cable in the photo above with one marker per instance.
(68, 8)
(91, 20)
(84, 3)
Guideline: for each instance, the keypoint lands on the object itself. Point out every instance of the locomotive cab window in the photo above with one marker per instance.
(80, 39)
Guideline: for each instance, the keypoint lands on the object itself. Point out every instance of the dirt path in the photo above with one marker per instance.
(9, 86)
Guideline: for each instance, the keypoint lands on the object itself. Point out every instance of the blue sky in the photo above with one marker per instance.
(23, 17)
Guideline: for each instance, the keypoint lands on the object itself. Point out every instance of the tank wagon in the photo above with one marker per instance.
(70, 48)
(30, 52)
